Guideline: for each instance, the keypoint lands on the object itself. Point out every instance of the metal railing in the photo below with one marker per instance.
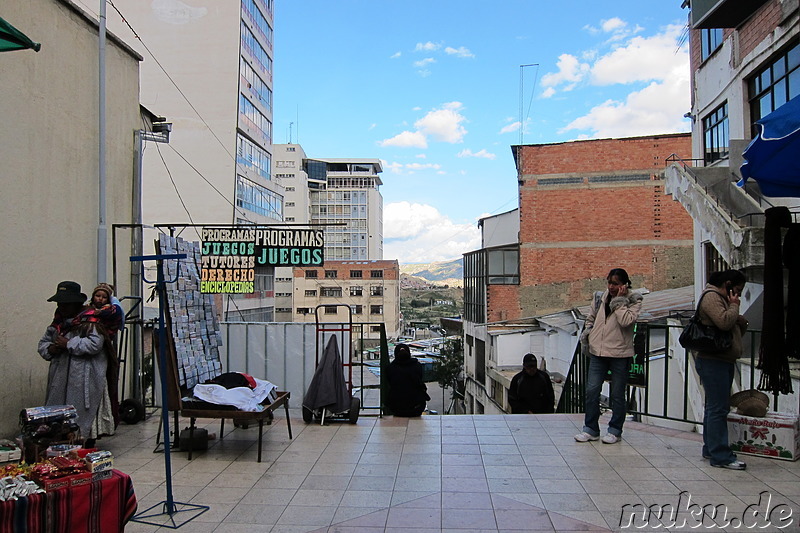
(660, 397)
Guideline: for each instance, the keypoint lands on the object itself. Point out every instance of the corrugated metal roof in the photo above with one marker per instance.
(660, 304)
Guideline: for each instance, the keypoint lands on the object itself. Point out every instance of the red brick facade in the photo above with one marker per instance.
(587, 207)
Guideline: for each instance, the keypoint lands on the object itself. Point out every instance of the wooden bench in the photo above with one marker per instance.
(222, 414)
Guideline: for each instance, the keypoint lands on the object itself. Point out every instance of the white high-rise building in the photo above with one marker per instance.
(342, 195)
(208, 69)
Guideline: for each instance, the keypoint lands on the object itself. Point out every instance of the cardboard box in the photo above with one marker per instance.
(777, 435)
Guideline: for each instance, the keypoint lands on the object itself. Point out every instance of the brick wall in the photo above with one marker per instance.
(589, 206)
(758, 27)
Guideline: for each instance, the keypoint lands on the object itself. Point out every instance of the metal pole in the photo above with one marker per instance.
(102, 230)
(521, 92)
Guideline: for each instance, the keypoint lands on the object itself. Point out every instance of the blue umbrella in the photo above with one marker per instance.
(771, 158)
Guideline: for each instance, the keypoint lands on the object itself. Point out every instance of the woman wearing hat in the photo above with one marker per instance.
(78, 351)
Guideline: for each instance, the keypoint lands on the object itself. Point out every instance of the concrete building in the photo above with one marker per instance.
(343, 196)
(585, 207)
(217, 93)
(371, 289)
(745, 63)
(49, 208)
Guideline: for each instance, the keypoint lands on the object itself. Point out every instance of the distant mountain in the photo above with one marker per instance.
(439, 273)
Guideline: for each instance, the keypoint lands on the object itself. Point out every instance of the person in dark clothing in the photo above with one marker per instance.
(531, 391)
(407, 391)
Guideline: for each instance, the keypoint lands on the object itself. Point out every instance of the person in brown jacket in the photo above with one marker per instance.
(719, 306)
(608, 334)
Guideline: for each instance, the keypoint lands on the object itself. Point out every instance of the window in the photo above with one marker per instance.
(289, 204)
(258, 199)
(331, 310)
(376, 309)
(283, 309)
(311, 293)
(375, 329)
(710, 40)
(303, 310)
(376, 290)
(356, 274)
(311, 274)
(291, 149)
(356, 291)
(376, 274)
(774, 85)
(283, 294)
(357, 309)
(331, 292)
(714, 260)
(253, 156)
(331, 274)
(503, 267)
(289, 189)
(715, 134)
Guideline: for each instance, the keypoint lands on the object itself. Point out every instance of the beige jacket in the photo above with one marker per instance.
(612, 335)
(716, 310)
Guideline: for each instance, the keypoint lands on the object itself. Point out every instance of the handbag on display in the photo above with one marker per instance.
(702, 338)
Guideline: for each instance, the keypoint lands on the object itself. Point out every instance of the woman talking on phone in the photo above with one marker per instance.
(719, 307)
(608, 333)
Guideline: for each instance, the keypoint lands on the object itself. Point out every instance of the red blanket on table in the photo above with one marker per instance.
(100, 507)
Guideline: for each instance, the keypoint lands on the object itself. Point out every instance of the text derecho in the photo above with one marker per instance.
(231, 255)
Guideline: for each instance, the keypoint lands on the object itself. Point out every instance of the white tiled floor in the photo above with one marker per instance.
(446, 474)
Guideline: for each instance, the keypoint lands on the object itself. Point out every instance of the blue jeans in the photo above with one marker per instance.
(716, 377)
(598, 371)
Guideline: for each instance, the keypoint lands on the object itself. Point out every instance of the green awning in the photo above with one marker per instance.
(13, 39)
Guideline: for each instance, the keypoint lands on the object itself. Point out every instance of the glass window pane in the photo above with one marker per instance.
(780, 94)
(793, 57)
(779, 69)
(794, 84)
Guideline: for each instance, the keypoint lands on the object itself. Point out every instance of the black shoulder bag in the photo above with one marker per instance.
(701, 338)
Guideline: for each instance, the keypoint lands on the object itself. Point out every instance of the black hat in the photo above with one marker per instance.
(68, 292)
(529, 360)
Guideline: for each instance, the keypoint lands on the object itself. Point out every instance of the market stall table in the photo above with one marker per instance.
(102, 506)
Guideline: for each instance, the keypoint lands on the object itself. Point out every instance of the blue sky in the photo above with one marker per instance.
(432, 88)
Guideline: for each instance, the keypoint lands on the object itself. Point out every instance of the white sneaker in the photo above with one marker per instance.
(610, 439)
(585, 437)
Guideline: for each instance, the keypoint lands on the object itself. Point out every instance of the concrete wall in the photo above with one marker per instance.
(49, 153)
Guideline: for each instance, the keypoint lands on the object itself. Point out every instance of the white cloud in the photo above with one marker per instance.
(427, 47)
(461, 51)
(510, 128)
(421, 156)
(419, 233)
(658, 108)
(570, 70)
(422, 62)
(642, 59)
(613, 24)
(395, 55)
(547, 93)
(407, 139)
(411, 168)
(424, 73)
(443, 124)
(480, 153)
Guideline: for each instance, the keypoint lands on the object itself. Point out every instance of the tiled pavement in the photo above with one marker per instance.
(452, 474)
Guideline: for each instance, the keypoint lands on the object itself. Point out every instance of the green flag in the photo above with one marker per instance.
(13, 39)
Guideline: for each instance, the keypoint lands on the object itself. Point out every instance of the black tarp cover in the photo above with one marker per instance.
(328, 388)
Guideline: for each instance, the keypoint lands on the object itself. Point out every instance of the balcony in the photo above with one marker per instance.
(469, 473)
(710, 14)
